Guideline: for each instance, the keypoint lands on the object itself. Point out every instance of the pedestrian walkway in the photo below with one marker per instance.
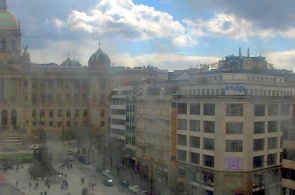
(21, 180)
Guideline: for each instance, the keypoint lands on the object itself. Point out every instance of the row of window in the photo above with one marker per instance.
(60, 113)
(230, 127)
(233, 109)
(230, 145)
(231, 163)
(58, 83)
(194, 158)
(221, 91)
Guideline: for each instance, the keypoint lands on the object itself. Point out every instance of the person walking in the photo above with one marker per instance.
(45, 193)
(48, 186)
(16, 183)
(41, 193)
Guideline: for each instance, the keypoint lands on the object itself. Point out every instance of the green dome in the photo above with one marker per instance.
(7, 21)
(99, 58)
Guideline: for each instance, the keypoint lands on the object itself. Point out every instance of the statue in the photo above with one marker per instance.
(25, 55)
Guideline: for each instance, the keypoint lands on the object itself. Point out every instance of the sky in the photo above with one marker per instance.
(168, 34)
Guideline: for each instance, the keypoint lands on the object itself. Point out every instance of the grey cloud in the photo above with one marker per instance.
(265, 14)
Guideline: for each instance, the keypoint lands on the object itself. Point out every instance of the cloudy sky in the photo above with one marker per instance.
(168, 34)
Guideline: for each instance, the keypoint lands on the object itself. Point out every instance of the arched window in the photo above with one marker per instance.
(51, 113)
(85, 113)
(34, 113)
(59, 113)
(12, 45)
(77, 113)
(4, 117)
(42, 113)
(68, 113)
(3, 44)
(13, 117)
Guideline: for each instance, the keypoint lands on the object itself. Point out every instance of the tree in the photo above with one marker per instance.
(42, 138)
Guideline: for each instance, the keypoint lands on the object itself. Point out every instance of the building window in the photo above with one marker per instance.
(59, 123)
(209, 109)
(258, 144)
(285, 109)
(234, 145)
(76, 112)
(182, 124)
(209, 126)
(181, 140)
(273, 109)
(208, 144)
(181, 172)
(51, 123)
(208, 161)
(59, 113)
(51, 113)
(182, 108)
(259, 110)
(271, 159)
(259, 127)
(68, 113)
(234, 110)
(34, 113)
(258, 161)
(272, 142)
(50, 98)
(102, 113)
(194, 125)
(232, 163)
(181, 155)
(195, 109)
(194, 142)
(272, 126)
(234, 128)
(85, 113)
(42, 113)
(68, 123)
(102, 123)
(194, 158)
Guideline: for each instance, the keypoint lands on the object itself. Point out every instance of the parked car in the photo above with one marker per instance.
(106, 173)
(108, 182)
(134, 189)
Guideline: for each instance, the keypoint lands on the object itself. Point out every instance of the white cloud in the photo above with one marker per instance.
(281, 60)
(124, 19)
(225, 25)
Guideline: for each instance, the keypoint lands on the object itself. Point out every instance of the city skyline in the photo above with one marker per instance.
(166, 34)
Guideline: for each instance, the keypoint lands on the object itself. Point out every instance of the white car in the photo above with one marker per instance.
(134, 189)
(106, 173)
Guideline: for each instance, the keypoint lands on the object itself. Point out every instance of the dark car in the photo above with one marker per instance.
(108, 182)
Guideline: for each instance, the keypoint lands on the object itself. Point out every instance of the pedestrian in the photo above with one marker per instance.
(41, 193)
(37, 185)
(30, 184)
(45, 193)
(62, 174)
(16, 183)
(48, 186)
(66, 175)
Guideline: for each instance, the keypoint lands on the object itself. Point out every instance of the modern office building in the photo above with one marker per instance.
(228, 131)
(288, 164)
